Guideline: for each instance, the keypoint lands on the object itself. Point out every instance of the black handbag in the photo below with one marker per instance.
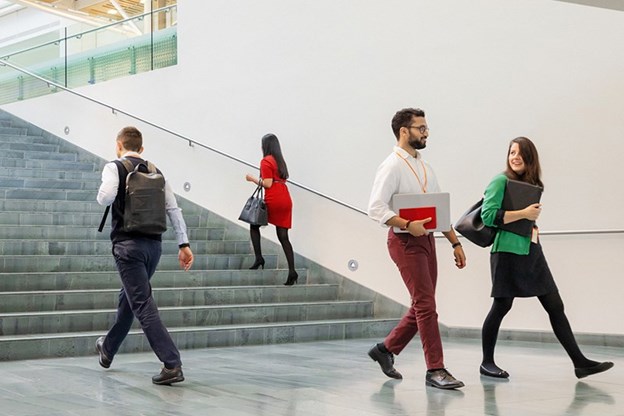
(255, 211)
(471, 226)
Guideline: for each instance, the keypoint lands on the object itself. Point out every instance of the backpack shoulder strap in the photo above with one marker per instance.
(121, 165)
(151, 167)
(101, 227)
(126, 164)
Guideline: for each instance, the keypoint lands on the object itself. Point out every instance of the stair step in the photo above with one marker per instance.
(172, 317)
(92, 263)
(82, 207)
(12, 131)
(25, 247)
(19, 172)
(37, 281)
(38, 155)
(24, 347)
(23, 138)
(59, 194)
(19, 145)
(46, 183)
(67, 300)
(55, 233)
(29, 205)
(78, 218)
(48, 164)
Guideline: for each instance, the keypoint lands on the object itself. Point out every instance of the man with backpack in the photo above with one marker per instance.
(139, 196)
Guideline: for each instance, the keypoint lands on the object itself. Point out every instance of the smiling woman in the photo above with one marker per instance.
(518, 265)
(523, 162)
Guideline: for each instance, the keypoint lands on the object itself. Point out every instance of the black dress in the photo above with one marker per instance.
(521, 276)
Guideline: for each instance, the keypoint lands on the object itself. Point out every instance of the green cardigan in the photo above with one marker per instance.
(492, 202)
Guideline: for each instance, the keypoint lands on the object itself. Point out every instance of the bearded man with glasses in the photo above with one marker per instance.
(405, 172)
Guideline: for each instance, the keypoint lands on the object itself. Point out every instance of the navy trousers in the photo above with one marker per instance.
(136, 262)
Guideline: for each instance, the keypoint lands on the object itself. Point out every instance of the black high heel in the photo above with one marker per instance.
(258, 263)
(292, 278)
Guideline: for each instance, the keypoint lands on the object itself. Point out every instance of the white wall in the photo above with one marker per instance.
(28, 27)
(327, 75)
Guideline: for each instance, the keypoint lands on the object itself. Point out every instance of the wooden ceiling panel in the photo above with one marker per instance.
(106, 9)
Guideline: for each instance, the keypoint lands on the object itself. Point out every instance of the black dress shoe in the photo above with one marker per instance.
(588, 371)
(169, 376)
(496, 374)
(442, 379)
(386, 362)
(104, 360)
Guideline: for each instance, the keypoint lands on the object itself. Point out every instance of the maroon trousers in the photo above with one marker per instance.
(416, 259)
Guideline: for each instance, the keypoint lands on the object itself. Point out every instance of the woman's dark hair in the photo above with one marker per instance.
(532, 172)
(271, 146)
(403, 118)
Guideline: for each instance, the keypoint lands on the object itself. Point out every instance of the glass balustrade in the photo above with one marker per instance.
(138, 44)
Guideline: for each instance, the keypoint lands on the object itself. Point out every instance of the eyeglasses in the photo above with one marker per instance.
(421, 129)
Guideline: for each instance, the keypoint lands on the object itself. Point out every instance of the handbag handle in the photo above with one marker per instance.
(259, 191)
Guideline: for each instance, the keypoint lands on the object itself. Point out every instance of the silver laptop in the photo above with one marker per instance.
(421, 206)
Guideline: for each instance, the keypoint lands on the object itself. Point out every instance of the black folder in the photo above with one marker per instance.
(519, 195)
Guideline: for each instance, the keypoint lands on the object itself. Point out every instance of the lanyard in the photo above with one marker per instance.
(422, 187)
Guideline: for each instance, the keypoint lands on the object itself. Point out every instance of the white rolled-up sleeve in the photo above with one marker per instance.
(385, 185)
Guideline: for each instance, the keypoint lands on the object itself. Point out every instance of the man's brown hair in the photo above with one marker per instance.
(130, 138)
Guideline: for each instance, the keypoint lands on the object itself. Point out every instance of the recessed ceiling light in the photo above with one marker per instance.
(112, 11)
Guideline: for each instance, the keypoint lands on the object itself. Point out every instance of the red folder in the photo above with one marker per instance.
(420, 213)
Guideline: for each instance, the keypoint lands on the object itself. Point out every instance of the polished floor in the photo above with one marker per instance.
(321, 378)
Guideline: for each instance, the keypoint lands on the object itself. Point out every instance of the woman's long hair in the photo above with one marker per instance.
(271, 146)
(532, 171)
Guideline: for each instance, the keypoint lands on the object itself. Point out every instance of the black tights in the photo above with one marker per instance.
(282, 236)
(553, 305)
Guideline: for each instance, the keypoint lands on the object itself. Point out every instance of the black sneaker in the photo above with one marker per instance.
(169, 376)
(386, 362)
(104, 360)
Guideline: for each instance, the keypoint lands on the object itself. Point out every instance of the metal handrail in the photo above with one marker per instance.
(52, 42)
(192, 142)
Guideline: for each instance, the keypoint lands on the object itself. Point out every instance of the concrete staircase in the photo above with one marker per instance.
(59, 287)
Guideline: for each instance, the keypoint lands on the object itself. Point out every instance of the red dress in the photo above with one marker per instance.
(277, 197)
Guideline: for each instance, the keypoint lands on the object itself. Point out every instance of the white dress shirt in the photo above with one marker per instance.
(394, 176)
(108, 192)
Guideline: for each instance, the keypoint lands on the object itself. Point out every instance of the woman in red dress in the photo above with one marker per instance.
(273, 175)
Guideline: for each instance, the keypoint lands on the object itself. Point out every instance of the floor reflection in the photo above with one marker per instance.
(387, 396)
(439, 400)
(314, 379)
(586, 394)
